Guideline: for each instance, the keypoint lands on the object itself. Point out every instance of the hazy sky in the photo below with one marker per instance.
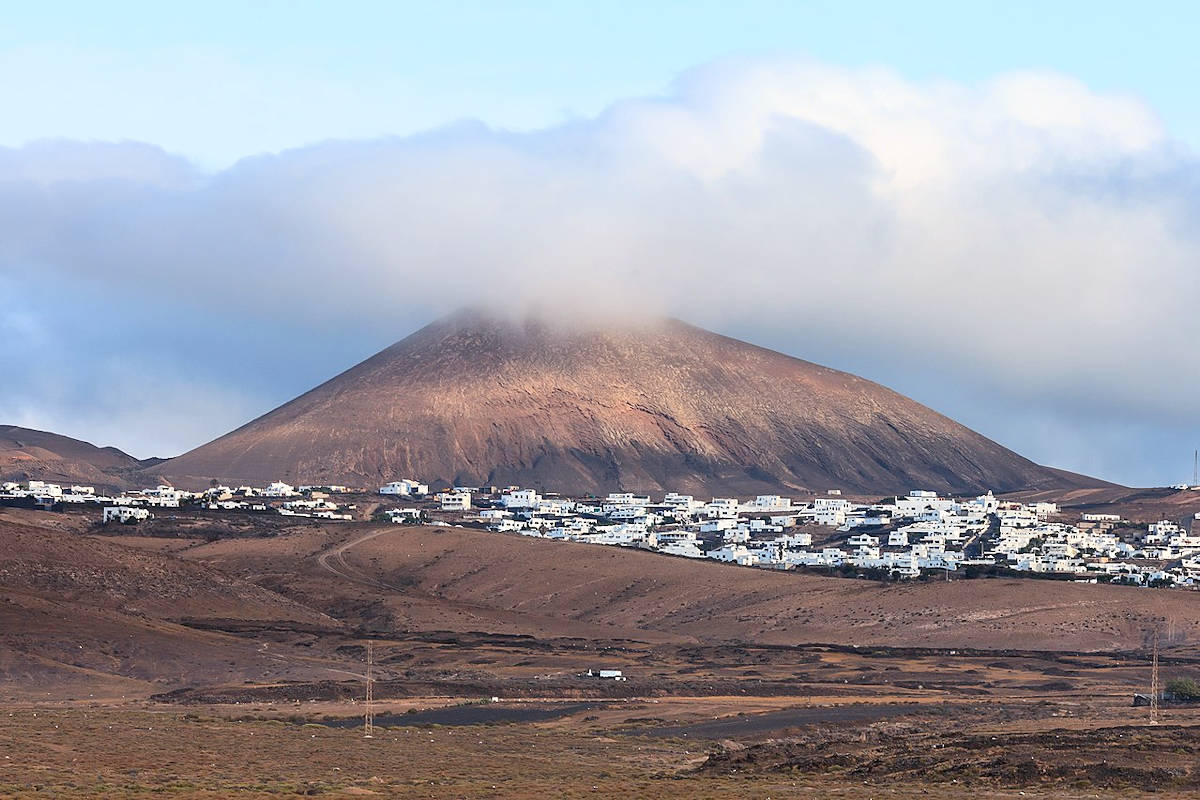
(992, 208)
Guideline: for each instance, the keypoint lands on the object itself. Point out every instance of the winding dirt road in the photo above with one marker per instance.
(335, 561)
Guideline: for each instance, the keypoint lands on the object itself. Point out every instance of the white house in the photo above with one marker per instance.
(125, 514)
(456, 501)
(165, 496)
(520, 498)
(687, 549)
(626, 499)
(830, 512)
(918, 502)
(795, 540)
(406, 487)
(558, 507)
(770, 502)
(685, 503)
(734, 553)
(1164, 528)
(723, 508)
(863, 520)
(822, 503)
(279, 489)
(626, 512)
(677, 537)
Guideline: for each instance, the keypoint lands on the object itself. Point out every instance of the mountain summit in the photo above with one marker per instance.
(661, 405)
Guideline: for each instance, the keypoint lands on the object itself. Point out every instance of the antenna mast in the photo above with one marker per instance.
(1196, 468)
(369, 714)
(1154, 682)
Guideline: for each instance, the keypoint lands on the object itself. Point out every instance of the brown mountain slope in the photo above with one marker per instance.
(659, 405)
(26, 453)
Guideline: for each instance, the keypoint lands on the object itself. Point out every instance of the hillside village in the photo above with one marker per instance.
(137, 505)
(900, 537)
(897, 537)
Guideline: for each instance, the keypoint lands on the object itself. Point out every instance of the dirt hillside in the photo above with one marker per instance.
(26, 453)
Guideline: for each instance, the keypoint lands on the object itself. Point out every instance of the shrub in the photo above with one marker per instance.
(1184, 688)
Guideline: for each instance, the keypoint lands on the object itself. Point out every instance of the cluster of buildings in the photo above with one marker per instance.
(1101, 546)
(900, 536)
(41, 494)
(134, 506)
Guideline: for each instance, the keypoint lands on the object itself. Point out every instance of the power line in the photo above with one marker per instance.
(369, 714)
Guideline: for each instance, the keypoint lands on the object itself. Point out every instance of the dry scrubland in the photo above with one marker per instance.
(168, 664)
(85, 753)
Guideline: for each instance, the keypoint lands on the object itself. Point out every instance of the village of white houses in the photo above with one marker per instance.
(898, 537)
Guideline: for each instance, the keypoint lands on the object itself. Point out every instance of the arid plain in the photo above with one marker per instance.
(207, 656)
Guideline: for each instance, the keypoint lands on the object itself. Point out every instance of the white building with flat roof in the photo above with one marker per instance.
(456, 501)
(125, 514)
(405, 488)
(520, 498)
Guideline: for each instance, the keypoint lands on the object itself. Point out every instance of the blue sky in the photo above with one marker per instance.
(216, 81)
(993, 208)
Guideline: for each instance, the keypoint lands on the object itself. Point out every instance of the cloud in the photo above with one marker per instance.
(1023, 249)
(48, 161)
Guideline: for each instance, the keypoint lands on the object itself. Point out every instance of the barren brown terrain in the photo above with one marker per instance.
(231, 662)
(85, 617)
(661, 405)
(26, 453)
(436, 578)
(69, 587)
(204, 754)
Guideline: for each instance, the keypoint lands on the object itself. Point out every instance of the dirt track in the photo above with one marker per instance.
(343, 570)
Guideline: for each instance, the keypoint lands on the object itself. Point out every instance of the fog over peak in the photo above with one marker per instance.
(1019, 254)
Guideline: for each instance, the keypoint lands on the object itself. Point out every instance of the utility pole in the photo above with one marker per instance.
(1154, 682)
(369, 714)
(1196, 468)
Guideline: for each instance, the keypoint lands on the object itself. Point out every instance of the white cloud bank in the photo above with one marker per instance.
(1021, 254)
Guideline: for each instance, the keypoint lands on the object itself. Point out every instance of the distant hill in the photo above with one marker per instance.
(658, 405)
(26, 453)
